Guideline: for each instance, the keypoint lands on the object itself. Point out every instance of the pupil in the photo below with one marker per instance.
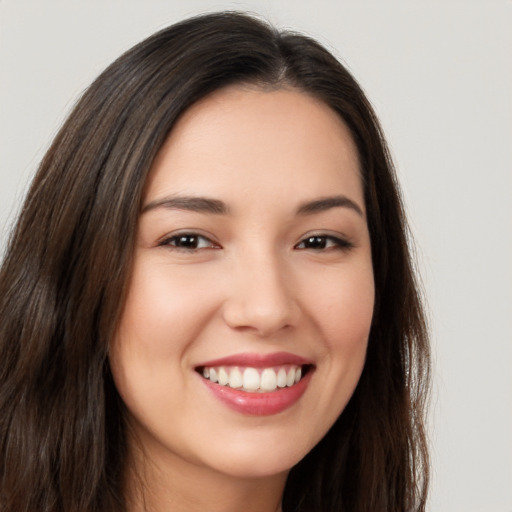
(187, 241)
(316, 242)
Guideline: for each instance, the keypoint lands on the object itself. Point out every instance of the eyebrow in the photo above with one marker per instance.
(194, 204)
(326, 203)
(218, 207)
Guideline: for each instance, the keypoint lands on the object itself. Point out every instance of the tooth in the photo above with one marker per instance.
(290, 378)
(251, 379)
(223, 376)
(281, 378)
(235, 378)
(268, 379)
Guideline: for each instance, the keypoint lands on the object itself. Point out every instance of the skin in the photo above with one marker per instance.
(251, 285)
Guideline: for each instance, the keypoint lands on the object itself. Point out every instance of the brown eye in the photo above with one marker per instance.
(189, 242)
(314, 242)
(322, 242)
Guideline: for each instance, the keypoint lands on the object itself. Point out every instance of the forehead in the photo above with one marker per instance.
(246, 141)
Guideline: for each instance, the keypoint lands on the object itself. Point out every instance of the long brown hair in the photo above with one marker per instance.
(64, 277)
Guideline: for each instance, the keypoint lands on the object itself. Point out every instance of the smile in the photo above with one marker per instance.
(257, 385)
(254, 380)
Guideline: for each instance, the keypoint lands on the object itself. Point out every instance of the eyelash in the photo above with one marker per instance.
(326, 242)
(193, 239)
(195, 242)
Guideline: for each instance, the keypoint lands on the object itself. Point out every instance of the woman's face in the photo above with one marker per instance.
(245, 328)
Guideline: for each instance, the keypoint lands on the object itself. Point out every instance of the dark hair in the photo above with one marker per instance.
(65, 273)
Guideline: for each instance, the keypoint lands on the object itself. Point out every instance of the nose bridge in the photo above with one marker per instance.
(261, 295)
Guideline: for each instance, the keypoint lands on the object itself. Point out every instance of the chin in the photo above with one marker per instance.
(265, 458)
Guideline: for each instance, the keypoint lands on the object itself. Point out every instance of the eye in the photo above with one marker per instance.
(323, 242)
(188, 242)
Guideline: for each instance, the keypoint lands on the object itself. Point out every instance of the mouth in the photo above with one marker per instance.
(257, 384)
(255, 380)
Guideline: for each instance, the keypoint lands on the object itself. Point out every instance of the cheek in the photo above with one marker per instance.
(339, 310)
(343, 307)
(342, 311)
(146, 353)
(162, 314)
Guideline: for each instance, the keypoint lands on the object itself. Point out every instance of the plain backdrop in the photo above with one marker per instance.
(439, 74)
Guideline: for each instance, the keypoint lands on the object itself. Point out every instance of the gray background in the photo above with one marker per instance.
(440, 76)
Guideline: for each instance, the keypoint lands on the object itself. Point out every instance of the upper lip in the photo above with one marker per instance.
(254, 360)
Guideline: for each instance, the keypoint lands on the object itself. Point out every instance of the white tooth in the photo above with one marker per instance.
(206, 372)
(223, 376)
(298, 374)
(281, 378)
(235, 378)
(251, 379)
(268, 379)
(290, 377)
(213, 375)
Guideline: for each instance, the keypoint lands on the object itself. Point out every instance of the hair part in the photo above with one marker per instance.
(65, 274)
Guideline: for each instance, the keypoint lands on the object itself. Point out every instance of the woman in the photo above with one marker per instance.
(208, 300)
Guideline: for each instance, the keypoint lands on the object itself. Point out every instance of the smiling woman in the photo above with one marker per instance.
(194, 303)
(244, 332)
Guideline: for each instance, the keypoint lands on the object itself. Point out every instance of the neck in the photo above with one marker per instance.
(170, 483)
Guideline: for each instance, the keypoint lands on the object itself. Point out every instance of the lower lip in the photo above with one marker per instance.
(259, 404)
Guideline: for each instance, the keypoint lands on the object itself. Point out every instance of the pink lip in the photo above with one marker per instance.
(259, 404)
(257, 360)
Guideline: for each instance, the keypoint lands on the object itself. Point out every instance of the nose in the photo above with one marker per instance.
(261, 298)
